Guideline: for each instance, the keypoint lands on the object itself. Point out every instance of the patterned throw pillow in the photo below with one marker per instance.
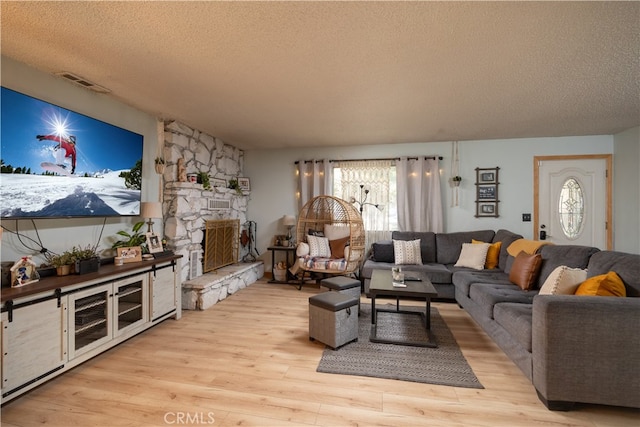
(407, 252)
(319, 246)
(563, 280)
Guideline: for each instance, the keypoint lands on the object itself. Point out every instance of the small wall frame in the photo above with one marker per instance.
(487, 192)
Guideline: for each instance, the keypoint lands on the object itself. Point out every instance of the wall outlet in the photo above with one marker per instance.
(526, 217)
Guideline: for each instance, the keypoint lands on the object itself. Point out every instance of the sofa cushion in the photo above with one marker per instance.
(449, 245)
(525, 269)
(473, 255)
(516, 319)
(563, 281)
(493, 254)
(626, 265)
(427, 243)
(486, 295)
(553, 256)
(507, 238)
(407, 252)
(608, 285)
(383, 251)
(463, 279)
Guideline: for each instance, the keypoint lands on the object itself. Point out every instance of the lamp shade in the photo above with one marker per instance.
(288, 220)
(151, 210)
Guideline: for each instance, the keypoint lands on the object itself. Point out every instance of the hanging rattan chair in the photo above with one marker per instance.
(325, 215)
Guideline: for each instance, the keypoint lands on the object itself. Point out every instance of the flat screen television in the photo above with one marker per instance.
(57, 163)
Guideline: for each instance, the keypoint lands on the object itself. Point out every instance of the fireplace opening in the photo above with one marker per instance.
(221, 243)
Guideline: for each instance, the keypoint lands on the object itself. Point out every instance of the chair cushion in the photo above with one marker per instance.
(407, 252)
(487, 295)
(609, 285)
(563, 281)
(319, 246)
(473, 255)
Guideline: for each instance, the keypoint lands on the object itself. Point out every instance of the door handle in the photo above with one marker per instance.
(543, 235)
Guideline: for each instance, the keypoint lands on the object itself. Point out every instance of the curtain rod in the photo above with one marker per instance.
(364, 160)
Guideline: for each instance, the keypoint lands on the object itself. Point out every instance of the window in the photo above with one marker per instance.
(371, 185)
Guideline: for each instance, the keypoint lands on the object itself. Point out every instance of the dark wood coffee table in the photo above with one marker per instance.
(381, 285)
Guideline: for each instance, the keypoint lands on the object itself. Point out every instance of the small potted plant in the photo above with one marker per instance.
(203, 178)
(234, 185)
(160, 165)
(456, 180)
(85, 260)
(62, 263)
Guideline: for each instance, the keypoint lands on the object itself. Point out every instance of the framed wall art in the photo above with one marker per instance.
(244, 184)
(487, 192)
(154, 243)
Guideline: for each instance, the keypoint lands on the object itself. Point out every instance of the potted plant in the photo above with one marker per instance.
(85, 260)
(160, 165)
(234, 185)
(61, 262)
(203, 178)
(135, 238)
(456, 180)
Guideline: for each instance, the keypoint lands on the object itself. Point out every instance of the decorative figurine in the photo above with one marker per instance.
(24, 272)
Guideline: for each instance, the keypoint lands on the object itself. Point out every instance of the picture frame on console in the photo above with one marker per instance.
(154, 243)
(130, 254)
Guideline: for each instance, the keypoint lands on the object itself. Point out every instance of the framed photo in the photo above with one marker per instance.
(130, 254)
(217, 182)
(487, 209)
(244, 184)
(487, 175)
(154, 243)
(487, 192)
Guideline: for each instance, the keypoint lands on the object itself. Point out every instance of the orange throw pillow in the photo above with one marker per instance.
(525, 269)
(606, 285)
(493, 255)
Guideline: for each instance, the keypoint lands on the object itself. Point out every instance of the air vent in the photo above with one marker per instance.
(219, 204)
(79, 81)
(193, 264)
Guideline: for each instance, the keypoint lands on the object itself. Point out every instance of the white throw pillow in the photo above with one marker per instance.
(319, 246)
(563, 280)
(335, 232)
(473, 255)
(407, 252)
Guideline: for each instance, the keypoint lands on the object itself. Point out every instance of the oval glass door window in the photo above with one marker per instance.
(571, 208)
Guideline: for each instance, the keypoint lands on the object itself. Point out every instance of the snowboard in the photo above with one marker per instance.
(52, 167)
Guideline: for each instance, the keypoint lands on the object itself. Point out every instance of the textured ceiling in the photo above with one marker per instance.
(287, 74)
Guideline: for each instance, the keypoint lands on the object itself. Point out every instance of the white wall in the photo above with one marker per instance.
(626, 191)
(61, 234)
(273, 183)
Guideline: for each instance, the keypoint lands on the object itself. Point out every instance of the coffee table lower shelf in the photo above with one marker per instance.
(430, 342)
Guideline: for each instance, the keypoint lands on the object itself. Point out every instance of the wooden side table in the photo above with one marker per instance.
(288, 250)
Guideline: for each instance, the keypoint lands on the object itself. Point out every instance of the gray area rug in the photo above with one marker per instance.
(444, 365)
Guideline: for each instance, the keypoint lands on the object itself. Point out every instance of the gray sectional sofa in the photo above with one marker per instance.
(574, 349)
(439, 252)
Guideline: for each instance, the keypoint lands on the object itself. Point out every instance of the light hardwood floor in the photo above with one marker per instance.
(248, 361)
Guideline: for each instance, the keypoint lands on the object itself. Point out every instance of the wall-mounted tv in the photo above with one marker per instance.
(57, 163)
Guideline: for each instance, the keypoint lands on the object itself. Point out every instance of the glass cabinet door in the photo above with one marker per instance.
(91, 316)
(130, 299)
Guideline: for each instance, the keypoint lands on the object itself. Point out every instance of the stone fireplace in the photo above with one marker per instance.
(188, 208)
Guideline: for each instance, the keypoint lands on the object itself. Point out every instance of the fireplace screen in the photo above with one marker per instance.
(221, 243)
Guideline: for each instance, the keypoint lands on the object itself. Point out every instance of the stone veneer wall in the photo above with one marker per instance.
(185, 205)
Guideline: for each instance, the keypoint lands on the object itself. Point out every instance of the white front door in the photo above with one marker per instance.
(573, 200)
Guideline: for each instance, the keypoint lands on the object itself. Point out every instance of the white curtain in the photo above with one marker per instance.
(372, 175)
(314, 179)
(419, 198)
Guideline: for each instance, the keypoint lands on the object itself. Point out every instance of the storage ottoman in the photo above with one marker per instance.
(333, 319)
(343, 284)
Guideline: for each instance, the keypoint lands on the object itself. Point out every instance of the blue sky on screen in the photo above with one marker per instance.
(99, 145)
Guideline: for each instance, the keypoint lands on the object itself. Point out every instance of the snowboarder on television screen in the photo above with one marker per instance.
(66, 148)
